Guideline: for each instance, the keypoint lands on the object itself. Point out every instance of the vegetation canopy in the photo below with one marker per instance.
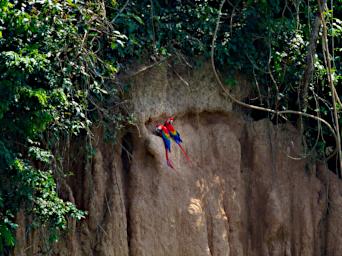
(58, 77)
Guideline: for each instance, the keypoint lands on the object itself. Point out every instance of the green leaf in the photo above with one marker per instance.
(6, 235)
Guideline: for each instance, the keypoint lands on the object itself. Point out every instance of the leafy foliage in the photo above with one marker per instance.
(54, 69)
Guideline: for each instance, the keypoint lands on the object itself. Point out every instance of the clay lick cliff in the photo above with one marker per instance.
(244, 194)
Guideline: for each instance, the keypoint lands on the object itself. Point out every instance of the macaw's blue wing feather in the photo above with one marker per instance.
(176, 137)
(167, 141)
(174, 134)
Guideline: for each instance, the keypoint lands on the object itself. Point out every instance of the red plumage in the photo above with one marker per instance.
(175, 135)
(163, 132)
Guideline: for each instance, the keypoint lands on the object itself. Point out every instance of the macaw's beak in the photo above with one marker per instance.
(157, 130)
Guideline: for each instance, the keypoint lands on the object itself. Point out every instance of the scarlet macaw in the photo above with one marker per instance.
(175, 135)
(163, 132)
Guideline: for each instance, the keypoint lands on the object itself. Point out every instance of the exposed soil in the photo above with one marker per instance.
(242, 194)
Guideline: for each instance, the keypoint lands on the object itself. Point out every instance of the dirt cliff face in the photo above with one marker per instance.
(242, 194)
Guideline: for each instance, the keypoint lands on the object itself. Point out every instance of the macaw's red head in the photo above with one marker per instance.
(158, 129)
(170, 120)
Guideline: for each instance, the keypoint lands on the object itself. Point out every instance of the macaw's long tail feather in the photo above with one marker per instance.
(168, 161)
(186, 155)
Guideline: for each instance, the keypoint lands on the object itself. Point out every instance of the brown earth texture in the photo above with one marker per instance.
(243, 193)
